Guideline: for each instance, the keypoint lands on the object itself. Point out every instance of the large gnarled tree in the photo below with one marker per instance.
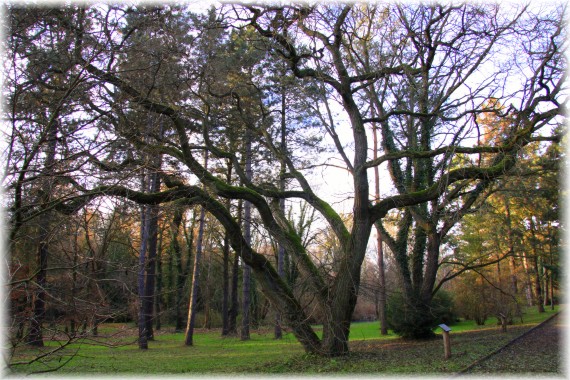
(323, 44)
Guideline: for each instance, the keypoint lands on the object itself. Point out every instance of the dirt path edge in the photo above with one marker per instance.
(486, 357)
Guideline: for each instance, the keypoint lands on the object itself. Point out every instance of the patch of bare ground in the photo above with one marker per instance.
(538, 351)
(400, 356)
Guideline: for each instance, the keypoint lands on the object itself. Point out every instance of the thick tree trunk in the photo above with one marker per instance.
(417, 259)
(336, 326)
(344, 290)
(273, 286)
(431, 266)
(344, 294)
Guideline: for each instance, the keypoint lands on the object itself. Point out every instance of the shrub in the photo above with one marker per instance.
(413, 319)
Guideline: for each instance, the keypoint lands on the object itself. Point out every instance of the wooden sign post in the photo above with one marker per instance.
(446, 340)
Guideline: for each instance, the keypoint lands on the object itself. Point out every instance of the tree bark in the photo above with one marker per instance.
(159, 297)
(535, 268)
(145, 230)
(537, 286)
(192, 306)
(226, 268)
(195, 287)
(207, 294)
(280, 249)
(149, 287)
(234, 305)
(379, 243)
(176, 254)
(246, 294)
(35, 335)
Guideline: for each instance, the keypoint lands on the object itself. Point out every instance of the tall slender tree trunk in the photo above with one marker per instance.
(536, 271)
(246, 282)
(551, 293)
(234, 304)
(527, 281)
(545, 277)
(149, 241)
(168, 277)
(73, 295)
(147, 263)
(159, 297)
(35, 335)
(192, 306)
(226, 287)
(149, 290)
(207, 293)
(195, 287)
(183, 274)
(176, 256)
(511, 242)
(246, 295)
(226, 268)
(379, 243)
(145, 230)
(537, 286)
(281, 250)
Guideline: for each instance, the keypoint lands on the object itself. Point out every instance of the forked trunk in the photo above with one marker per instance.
(336, 330)
(336, 325)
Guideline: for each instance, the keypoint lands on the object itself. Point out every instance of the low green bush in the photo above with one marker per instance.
(411, 318)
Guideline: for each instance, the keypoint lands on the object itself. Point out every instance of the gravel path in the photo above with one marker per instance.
(538, 351)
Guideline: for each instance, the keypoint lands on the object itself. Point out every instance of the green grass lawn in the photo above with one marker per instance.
(211, 354)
